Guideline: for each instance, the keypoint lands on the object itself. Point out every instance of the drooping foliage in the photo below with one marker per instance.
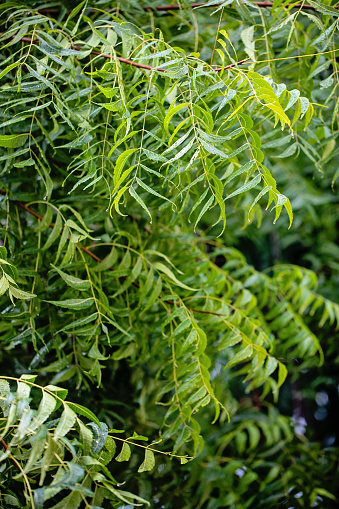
(141, 149)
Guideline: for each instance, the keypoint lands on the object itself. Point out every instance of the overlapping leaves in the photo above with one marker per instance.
(88, 138)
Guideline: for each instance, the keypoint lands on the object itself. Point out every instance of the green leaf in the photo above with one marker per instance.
(323, 492)
(4, 285)
(323, 8)
(205, 208)
(121, 161)
(42, 78)
(172, 110)
(179, 141)
(58, 391)
(85, 412)
(13, 140)
(35, 454)
(125, 496)
(140, 201)
(288, 152)
(124, 352)
(66, 422)
(9, 68)
(154, 294)
(162, 268)
(107, 262)
(294, 96)
(265, 93)
(125, 453)
(254, 436)
(71, 501)
(152, 191)
(46, 407)
(282, 374)
(72, 303)
(247, 38)
(86, 438)
(24, 163)
(213, 150)
(82, 321)
(54, 233)
(284, 22)
(182, 152)
(245, 187)
(241, 356)
(131, 278)
(20, 294)
(73, 282)
(257, 198)
(76, 10)
(148, 463)
(156, 55)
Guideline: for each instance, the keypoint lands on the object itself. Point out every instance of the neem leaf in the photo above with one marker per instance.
(20, 294)
(46, 407)
(148, 463)
(85, 412)
(245, 187)
(66, 422)
(4, 285)
(107, 262)
(13, 140)
(141, 202)
(74, 282)
(160, 266)
(125, 453)
(72, 303)
(241, 356)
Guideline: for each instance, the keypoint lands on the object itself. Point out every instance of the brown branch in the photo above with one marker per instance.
(94, 52)
(124, 60)
(98, 260)
(197, 310)
(51, 225)
(173, 7)
(11, 457)
(176, 7)
(131, 62)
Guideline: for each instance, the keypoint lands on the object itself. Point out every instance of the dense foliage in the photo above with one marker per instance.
(169, 261)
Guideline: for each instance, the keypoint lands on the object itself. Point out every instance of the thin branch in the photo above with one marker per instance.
(130, 62)
(194, 310)
(176, 7)
(98, 259)
(11, 457)
(127, 441)
(51, 225)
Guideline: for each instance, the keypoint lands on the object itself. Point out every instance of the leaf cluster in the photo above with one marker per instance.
(132, 143)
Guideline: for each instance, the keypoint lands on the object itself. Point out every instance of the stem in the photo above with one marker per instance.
(131, 62)
(126, 440)
(13, 460)
(176, 7)
(205, 4)
(18, 466)
(97, 259)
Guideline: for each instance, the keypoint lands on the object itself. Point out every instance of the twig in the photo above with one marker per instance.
(176, 7)
(135, 64)
(11, 457)
(98, 259)
(51, 225)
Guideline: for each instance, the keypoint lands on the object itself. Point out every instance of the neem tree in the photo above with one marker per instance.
(134, 140)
